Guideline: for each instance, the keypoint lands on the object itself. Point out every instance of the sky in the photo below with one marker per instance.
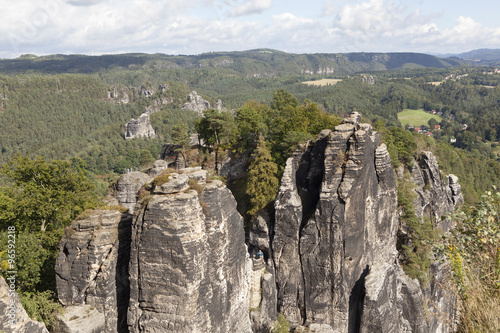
(95, 27)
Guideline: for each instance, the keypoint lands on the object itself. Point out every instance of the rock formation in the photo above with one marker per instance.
(119, 95)
(199, 104)
(329, 263)
(128, 186)
(140, 128)
(334, 243)
(189, 264)
(13, 317)
(92, 272)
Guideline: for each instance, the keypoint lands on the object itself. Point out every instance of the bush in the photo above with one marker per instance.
(281, 325)
(474, 251)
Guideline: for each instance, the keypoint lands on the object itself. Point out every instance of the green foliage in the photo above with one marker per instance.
(44, 195)
(218, 130)
(400, 143)
(180, 137)
(474, 252)
(416, 237)
(281, 325)
(194, 185)
(162, 178)
(262, 183)
(42, 306)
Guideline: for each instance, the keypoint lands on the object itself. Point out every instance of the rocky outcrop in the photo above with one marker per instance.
(189, 267)
(92, 269)
(146, 91)
(139, 128)
(198, 104)
(334, 219)
(437, 194)
(157, 105)
(334, 243)
(13, 317)
(119, 95)
(329, 263)
(128, 186)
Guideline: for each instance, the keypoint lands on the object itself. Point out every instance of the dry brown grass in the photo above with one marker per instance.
(480, 307)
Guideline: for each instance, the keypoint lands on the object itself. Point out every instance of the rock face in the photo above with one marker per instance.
(437, 194)
(13, 317)
(92, 270)
(334, 219)
(140, 128)
(189, 267)
(334, 244)
(128, 186)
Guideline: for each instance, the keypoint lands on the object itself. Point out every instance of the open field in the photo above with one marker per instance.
(416, 117)
(323, 82)
(435, 83)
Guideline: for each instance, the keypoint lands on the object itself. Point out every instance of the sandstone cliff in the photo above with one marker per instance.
(333, 238)
(92, 273)
(198, 104)
(189, 264)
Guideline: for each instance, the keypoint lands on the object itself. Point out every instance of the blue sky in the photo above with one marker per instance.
(197, 26)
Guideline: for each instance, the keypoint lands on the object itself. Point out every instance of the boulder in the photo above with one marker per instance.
(81, 319)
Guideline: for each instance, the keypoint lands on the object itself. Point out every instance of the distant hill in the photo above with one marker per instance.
(481, 55)
(252, 63)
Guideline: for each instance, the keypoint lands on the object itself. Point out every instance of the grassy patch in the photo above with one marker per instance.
(416, 117)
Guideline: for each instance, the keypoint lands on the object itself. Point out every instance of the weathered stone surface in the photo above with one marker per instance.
(139, 128)
(13, 317)
(196, 103)
(119, 95)
(334, 237)
(157, 168)
(176, 184)
(81, 319)
(127, 188)
(334, 219)
(259, 236)
(92, 266)
(437, 194)
(189, 267)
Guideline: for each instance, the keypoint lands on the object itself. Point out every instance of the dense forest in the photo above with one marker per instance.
(62, 139)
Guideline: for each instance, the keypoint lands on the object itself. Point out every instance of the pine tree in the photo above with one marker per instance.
(262, 181)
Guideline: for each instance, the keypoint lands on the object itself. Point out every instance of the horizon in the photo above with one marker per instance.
(234, 51)
(192, 27)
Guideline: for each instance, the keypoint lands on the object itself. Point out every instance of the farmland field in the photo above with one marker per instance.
(416, 117)
(323, 82)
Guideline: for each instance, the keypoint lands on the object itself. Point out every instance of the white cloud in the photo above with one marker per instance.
(84, 2)
(251, 7)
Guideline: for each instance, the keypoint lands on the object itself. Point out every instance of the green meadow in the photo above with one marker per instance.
(416, 117)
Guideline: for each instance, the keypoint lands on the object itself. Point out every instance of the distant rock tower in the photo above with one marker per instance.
(139, 128)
